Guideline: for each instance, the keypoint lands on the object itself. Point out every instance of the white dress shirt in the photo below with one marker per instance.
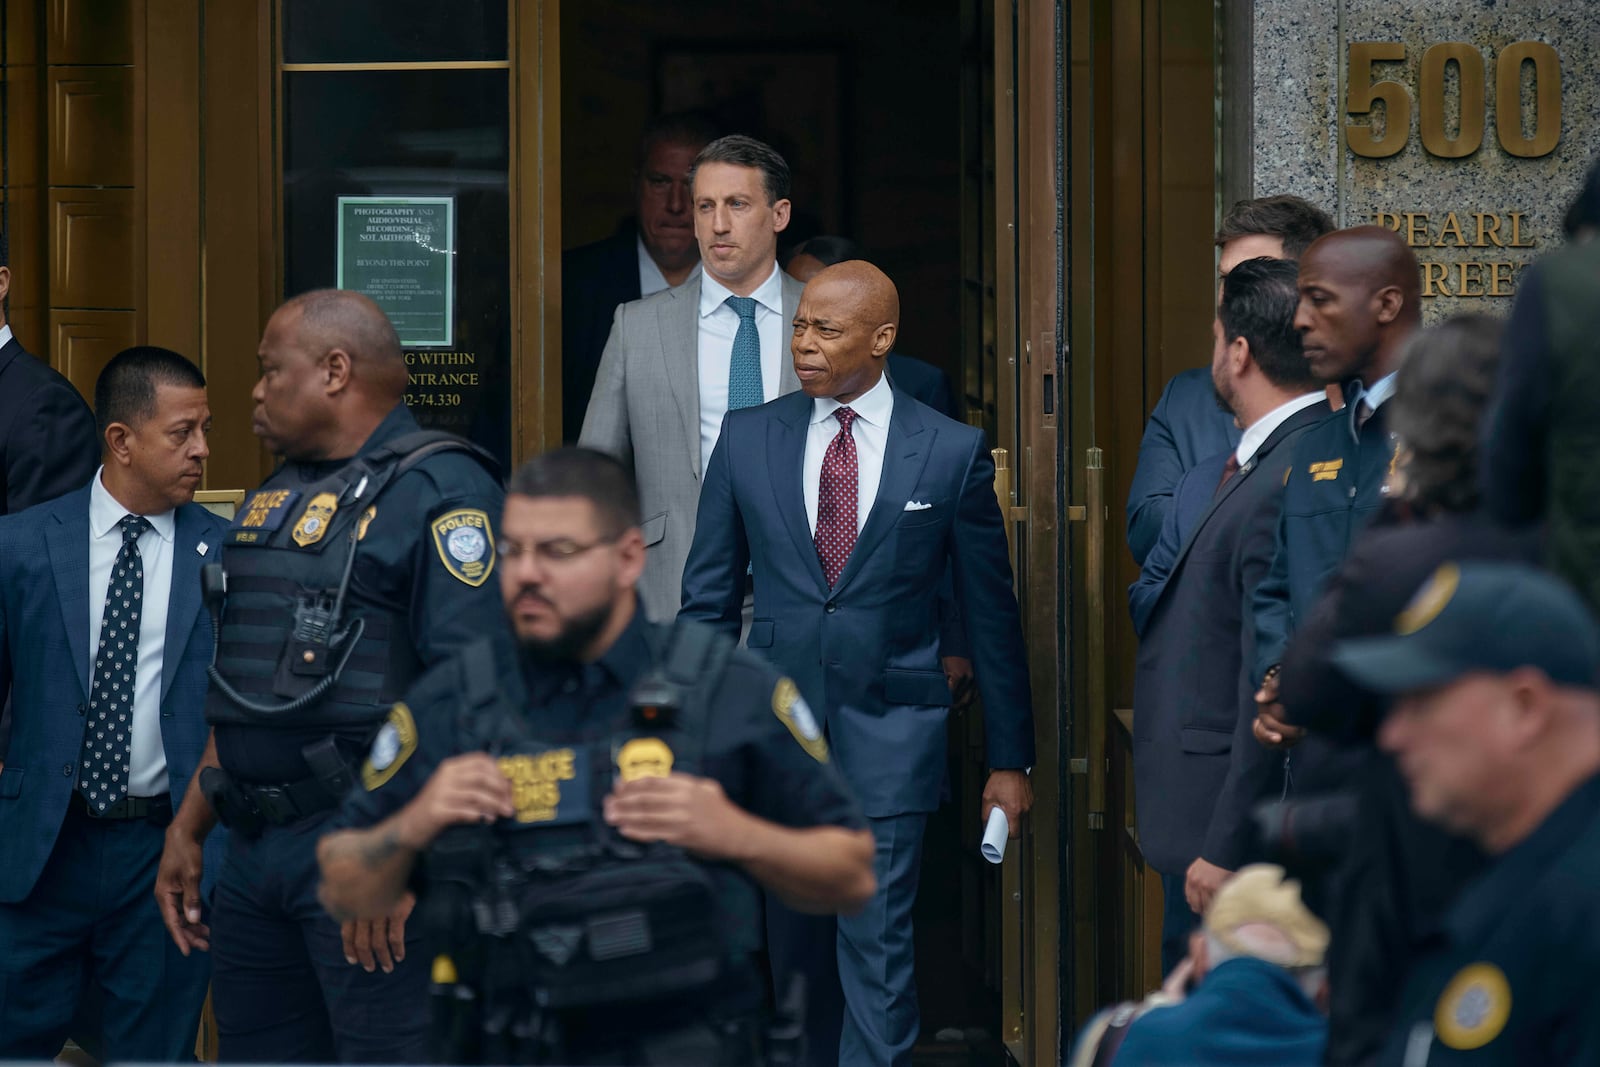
(1256, 435)
(5, 335)
(718, 324)
(870, 431)
(147, 776)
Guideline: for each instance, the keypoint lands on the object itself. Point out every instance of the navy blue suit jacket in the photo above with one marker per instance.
(866, 653)
(46, 660)
(1186, 427)
(1189, 502)
(1197, 770)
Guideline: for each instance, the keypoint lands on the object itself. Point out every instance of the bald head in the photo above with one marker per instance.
(858, 284)
(331, 371)
(1360, 299)
(1374, 255)
(846, 324)
(341, 319)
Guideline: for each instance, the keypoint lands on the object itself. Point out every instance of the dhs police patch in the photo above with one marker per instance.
(465, 544)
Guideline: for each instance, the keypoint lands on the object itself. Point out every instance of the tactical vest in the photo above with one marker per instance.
(293, 649)
(553, 911)
(1571, 278)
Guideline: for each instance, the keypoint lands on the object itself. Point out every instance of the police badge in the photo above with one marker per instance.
(314, 521)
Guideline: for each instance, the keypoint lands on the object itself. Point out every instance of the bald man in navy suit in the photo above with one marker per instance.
(849, 502)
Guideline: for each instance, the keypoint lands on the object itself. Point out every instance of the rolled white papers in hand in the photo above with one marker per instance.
(995, 836)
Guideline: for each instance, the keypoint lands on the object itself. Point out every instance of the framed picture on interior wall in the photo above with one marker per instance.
(793, 98)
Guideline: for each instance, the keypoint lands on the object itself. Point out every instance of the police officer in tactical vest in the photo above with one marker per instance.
(587, 825)
(361, 562)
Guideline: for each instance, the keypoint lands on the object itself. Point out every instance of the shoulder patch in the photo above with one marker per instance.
(466, 544)
(1473, 1008)
(793, 711)
(396, 741)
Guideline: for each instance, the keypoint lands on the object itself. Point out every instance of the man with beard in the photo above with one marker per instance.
(615, 760)
(1196, 769)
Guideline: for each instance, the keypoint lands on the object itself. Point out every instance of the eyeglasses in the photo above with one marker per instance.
(554, 553)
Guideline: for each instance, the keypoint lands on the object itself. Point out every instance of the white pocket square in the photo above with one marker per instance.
(917, 505)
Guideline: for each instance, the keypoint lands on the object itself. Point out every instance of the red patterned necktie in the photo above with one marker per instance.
(837, 496)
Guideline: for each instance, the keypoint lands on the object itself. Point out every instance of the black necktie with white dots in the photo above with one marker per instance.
(108, 729)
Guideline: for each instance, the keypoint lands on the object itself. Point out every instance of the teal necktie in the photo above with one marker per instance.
(744, 369)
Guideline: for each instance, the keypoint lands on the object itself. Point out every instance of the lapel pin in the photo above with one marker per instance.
(202, 548)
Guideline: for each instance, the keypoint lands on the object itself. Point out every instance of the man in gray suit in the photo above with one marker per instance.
(678, 361)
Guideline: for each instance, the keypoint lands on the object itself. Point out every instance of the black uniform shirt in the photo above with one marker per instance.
(399, 565)
(1513, 978)
(760, 735)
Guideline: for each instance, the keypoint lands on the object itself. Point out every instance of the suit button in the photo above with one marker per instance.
(66, 772)
(80, 709)
(830, 607)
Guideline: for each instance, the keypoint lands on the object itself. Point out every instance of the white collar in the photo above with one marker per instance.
(5, 335)
(1381, 390)
(873, 406)
(105, 512)
(1256, 434)
(713, 294)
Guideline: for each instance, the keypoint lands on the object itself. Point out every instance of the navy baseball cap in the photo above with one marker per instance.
(1493, 617)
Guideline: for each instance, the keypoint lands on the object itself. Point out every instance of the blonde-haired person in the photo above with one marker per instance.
(1250, 991)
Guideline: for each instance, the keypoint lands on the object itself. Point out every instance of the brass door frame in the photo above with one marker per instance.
(1028, 162)
(536, 227)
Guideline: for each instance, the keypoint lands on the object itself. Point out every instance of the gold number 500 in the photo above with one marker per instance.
(1363, 93)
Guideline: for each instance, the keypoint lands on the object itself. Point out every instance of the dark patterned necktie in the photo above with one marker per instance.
(1229, 469)
(108, 729)
(837, 497)
(1364, 412)
(744, 367)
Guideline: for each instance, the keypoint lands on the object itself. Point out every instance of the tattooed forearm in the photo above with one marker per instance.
(364, 872)
(379, 847)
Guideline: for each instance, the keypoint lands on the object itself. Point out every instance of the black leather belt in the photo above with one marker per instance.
(156, 809)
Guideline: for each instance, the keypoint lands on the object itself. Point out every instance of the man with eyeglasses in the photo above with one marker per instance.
(586, 828)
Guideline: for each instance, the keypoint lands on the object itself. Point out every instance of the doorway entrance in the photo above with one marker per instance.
(886, 115)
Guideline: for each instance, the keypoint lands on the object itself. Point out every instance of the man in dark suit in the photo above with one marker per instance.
(850, 500)
(652, 251)
(104, 642)
(48, 444)
(1196, 767)
(1186, 426)
(927, 383)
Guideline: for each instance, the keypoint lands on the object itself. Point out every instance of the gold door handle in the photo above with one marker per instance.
(1093, 514)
